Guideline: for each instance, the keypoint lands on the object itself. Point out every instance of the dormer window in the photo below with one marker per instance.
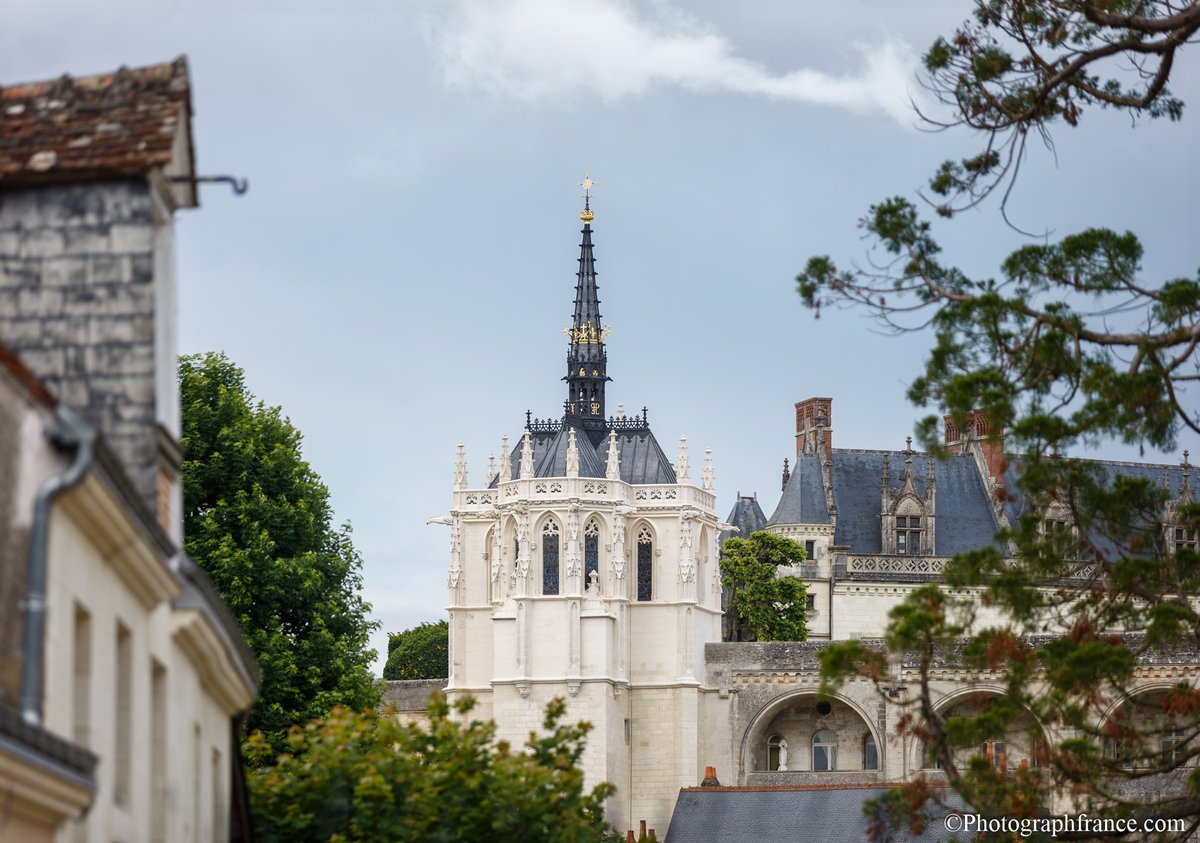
(907, 527)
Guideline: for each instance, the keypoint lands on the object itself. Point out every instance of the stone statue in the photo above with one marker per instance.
(782, 755)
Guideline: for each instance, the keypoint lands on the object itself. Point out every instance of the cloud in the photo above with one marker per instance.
(539, 50)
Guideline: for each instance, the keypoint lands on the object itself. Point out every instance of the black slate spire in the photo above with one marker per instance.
(587, 359)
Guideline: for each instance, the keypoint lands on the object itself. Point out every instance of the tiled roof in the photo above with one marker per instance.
(109, 125)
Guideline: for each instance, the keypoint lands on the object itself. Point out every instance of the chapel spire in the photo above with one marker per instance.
(587, 359)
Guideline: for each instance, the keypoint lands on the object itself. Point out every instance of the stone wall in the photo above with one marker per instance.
(78, 294)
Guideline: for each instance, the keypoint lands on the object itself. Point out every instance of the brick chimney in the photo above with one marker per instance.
(814, 427)
(976, 428)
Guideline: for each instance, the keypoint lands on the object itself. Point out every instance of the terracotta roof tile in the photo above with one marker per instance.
(111, 124)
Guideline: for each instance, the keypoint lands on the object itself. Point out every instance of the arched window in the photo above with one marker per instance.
(550, 558)
(591, 550)
(776, 753)
(870, 753)
(824, 751)
(645, 564)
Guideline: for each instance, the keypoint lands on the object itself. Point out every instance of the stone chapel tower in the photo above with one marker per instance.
(585, 566)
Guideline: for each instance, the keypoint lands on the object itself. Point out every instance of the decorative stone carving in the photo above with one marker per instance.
(612, 465)
(572, 454)
(460, 468)
(505, 459)
(707, 478)
(527, 456)
(682, 474)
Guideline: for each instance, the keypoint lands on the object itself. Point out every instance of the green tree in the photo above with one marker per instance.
(1018, 67)
(765, 606)
(1068, 348)
(365, 776)
(422, 652)
(257, 517)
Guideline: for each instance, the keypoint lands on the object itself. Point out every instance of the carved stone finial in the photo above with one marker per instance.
(505, 459)
(527, 456)
(460, 468)
(612, 465)
(787, 474)
(908, 445)
(707, 477)
(682, 474)
(620, 412)
(491, 470)
(572, 454)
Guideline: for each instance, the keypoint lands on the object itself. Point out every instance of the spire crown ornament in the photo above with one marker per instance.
(707, 476)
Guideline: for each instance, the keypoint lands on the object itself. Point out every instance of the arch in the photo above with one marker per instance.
(1001, 750)
(550, 547)
(1145, 731)
(643, 543)
(759, 728)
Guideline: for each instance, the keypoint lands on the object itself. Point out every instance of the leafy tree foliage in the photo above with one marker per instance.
(365, 776)
(1021, 65)
(766, 606)
(422, 652)
(1093, 579)
(257, 517)
(1069, 347)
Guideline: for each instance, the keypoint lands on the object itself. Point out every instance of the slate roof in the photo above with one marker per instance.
(965, 520)
(103, 126)
(642, 460)
(803, 499)
(964, 515)
(747, 516)
(745, 815)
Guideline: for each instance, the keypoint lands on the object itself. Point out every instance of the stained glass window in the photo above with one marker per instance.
(550, 558)
(591, 551)
(645, 564)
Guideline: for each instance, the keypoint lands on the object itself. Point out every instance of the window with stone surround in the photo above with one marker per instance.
(908, 534)
(645, 564)
(824, 751)
(550, 557)
(870, 759)
(591, 550)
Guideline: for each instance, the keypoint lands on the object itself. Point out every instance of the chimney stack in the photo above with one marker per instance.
(814, 427)
(976, 428)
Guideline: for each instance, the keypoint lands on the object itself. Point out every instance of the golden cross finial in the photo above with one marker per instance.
(587, 184)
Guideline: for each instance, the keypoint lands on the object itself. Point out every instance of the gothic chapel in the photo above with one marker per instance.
(585, 567)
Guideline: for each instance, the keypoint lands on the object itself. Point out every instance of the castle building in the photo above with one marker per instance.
(585, 566)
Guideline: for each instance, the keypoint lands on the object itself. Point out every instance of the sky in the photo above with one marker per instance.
(399, 274)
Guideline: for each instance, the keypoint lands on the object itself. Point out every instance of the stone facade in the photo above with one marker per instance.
(84, 271)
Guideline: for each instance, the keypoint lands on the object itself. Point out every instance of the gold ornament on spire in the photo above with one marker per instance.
(587, 184)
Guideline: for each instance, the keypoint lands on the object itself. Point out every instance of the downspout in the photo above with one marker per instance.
(66, 430)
